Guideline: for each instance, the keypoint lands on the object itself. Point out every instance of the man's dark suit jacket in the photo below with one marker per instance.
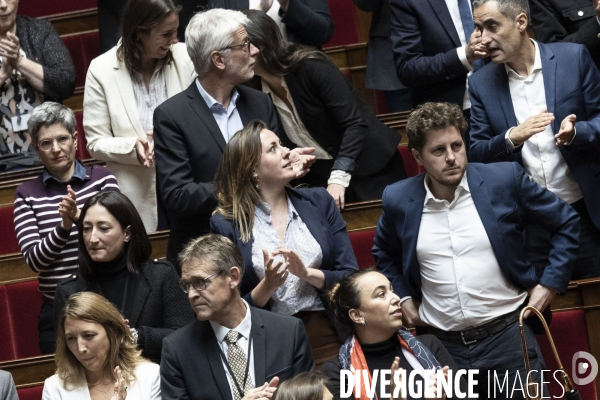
(572, 86)
(424, 41)
(505, 200)
(568, 21)
(306, 21)
(188, 149)
(191, 366)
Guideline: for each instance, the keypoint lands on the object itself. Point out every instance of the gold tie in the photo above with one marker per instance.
(237, 362)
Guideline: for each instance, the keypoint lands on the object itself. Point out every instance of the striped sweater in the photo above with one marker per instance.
(49, 249)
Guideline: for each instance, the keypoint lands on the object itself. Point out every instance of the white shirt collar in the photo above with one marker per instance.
(537, 64)
(243, 328)
(463, 185)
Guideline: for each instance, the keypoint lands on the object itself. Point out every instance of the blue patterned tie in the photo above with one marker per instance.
(468, 26)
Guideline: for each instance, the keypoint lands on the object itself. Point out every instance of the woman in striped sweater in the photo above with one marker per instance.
(47, 207)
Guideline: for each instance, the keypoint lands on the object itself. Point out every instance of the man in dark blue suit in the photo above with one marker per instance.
(435, 47)
(232, 351)
(539, 105)
(451, 243)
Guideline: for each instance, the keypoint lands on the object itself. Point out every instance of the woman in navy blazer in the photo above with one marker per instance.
(293, 241)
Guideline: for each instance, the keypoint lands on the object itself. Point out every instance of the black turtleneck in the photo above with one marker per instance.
(111, 277)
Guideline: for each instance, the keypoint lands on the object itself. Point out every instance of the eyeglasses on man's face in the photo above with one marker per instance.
(198, 284)
(245, 46)
(63, 141)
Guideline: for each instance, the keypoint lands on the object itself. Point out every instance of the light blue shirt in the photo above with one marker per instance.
(228, 119)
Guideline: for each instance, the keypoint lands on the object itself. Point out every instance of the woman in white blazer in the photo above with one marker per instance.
(122, 89)
(96, 356)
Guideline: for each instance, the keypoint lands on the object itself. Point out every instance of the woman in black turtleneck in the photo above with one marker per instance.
(366, 303)
(114, 261)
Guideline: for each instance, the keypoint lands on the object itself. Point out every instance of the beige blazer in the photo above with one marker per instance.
(112, 125)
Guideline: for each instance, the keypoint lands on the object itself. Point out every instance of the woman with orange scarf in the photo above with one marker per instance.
(366, 303)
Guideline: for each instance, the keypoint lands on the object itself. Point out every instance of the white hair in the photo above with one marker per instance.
(209, 31)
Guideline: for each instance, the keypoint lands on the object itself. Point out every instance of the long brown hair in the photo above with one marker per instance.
(139, 17)
(304, 386)
(236, 192)
(277, 56)
(122, 352)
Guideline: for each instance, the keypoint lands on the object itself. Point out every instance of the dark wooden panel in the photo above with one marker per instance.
(30, 371)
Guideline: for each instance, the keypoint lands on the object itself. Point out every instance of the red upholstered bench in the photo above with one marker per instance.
(37, 8)
(31, 393)
(23, 307)
(362, 243)
(82, 152)
(7, 348)
(569, 331)
(8, 237)
(343, 14)
(83, 47)
(411, 166)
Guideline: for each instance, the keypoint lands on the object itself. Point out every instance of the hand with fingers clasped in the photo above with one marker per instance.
(68, 210)
(263, 392)
(120, 390)
(144, 148)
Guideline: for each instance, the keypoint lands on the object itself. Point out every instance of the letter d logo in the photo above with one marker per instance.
(581, 368)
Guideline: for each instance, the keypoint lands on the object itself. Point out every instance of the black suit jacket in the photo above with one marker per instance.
(424, 41)
(572, 21)
(191, 366)
(306, 21)
(156, 307)
(337, 118)
(188, 149)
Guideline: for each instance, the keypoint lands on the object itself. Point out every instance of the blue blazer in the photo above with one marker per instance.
(572, 85)
(506, 200)
(424, 41)
(317, 210)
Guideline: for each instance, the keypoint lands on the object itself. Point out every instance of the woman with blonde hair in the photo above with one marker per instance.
(294, 241)
(96, 355)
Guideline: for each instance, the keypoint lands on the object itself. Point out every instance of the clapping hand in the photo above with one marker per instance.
(275, 274)
(293, 261)
(10, 49)
(144, 147)
(120, 390)
(302, 159)
(68, 210)
(263, 392)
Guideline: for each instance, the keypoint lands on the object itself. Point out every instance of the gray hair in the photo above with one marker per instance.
(509, 8)
(50, 113)
(209, 31)
(218, 251)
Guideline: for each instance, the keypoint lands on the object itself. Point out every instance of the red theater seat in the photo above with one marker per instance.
(37, 8)
(343, 14)
(7, 349)
(31, 393)
(411, 166)
(24, 302)
(8, 237)
(83, 47)
(82, 152)
(569, 331)
(362, 243)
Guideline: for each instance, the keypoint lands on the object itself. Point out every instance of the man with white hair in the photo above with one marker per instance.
(192, 128)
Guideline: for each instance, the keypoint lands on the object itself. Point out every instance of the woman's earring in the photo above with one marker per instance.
(363, 323)
(256, 181)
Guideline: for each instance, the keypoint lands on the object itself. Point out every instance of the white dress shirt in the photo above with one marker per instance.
(461, 280)
(228, 119)
(147, 100)
(244, 330)
(461, 51)
(542, 159)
